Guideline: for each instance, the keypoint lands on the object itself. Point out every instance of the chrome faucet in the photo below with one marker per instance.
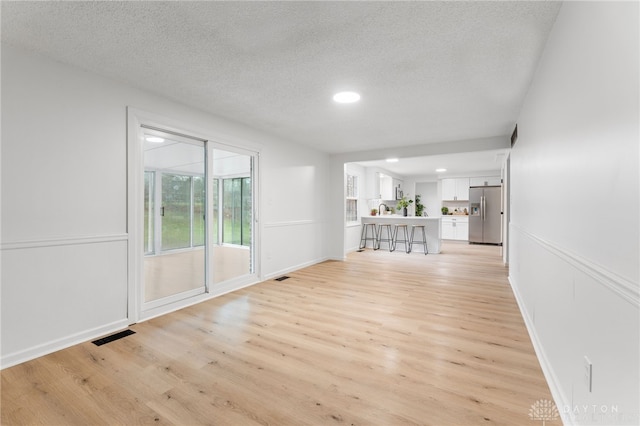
(379, 208)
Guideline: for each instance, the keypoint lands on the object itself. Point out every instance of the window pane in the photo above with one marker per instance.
(176, 203)
(198, 211)
(352, 186)
(215, 192)
(237, 211)
(246, 211)
(352, 210)
(229, 209)
(149, 192)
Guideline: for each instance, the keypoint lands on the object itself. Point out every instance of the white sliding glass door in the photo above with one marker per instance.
(194, 227)
(191, 218)
(175, 211)
(234, 191)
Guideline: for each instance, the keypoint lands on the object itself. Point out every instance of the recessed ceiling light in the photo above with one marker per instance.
(154, 139)
(392, 160)
(346, 97)
(441, 170)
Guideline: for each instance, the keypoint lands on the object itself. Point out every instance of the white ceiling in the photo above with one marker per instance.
(427, 71)
(477, 163)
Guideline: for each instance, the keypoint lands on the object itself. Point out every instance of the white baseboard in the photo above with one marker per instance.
(558, 395)
(294, 268)
(16, 358)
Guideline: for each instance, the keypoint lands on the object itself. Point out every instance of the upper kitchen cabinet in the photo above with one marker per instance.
(455, 189)
(388, 187)
(387, 192)
(485, 181)
(381, 186)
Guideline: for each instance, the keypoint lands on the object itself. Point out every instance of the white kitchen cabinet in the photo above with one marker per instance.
(388, 187)
(462, 231)
(485, 181)
(448, 233)
(387, 191)
(455, 189)
(373, 188)
(455, 228)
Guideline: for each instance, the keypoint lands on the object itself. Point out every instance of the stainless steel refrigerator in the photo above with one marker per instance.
(485, 214)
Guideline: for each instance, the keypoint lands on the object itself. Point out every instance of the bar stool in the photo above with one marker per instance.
(405, 241)
(364, 235)
(424, 238)
(389, 239)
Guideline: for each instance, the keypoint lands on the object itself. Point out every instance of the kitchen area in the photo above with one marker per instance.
(459, 209)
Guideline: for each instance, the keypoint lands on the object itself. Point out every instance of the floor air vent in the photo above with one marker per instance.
(282, 278)
(113, 337)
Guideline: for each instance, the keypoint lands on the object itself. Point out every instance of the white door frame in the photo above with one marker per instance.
(136, 121)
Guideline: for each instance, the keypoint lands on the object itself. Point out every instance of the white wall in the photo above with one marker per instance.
(574, 211)
(429, 197)
(64, 200)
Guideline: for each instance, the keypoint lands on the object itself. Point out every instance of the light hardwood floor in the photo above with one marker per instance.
(381, 339)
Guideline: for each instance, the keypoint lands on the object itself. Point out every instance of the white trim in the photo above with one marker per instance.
(137, 119)
(63, 241)
(559, 397)
(15, 358)
(135, 197)
(233, 175)
(217, 290)
(290, 223)
(621, 286)
(294, 268)
(146, 306)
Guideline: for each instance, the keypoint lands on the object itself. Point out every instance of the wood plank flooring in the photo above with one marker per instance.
(381, 339)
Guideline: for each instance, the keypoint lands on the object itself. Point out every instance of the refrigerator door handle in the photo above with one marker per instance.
(483, 206)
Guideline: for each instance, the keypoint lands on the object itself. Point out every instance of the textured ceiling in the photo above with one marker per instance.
(427, 71)
(488, 163)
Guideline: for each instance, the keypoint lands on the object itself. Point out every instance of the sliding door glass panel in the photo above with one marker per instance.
(215, 193)
(198, 211)
(247, 209)
(175, 211)
(232, 202)
(233, 179)
(149, 190)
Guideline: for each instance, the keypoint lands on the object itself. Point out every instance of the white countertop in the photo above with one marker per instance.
(400, 217)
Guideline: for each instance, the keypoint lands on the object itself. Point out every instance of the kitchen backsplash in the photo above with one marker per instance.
(452, 205)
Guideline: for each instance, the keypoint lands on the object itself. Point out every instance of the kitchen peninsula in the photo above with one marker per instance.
(432, 226)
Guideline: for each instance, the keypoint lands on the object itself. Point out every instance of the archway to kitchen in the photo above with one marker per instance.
(374, 185)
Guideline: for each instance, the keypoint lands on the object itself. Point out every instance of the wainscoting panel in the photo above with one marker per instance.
(576, 309)
(77, 291)
(288, 246)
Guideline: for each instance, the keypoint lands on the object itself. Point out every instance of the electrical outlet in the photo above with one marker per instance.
(588, 374)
